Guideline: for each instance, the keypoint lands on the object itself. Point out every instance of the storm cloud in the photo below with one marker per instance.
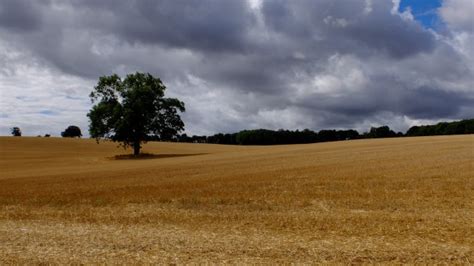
(239, 64)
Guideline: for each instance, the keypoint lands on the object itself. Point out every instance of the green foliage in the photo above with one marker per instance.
(272, 137)
(16, 132)
(223, 138)
(443, 128)
(265, 137)
(72, 132)
(333, 135)
(133, 110)
(380, 132)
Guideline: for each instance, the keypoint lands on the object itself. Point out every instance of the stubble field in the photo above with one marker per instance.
(407, 200)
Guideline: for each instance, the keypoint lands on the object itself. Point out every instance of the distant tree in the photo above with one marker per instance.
(71, 132)
(133, 110)
(184, 138)
(349, 134)
(16, 132)
(198, 139)
(413, 131)
(47, 135)
(327, 135)
(381, 132)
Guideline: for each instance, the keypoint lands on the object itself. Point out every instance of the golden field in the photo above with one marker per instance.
(401, 200)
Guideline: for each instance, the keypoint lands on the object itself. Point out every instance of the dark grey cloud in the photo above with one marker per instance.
(20, 15)
(428, 103)
(418, 103)
(283, 64)
(348, 26)
(209, 25)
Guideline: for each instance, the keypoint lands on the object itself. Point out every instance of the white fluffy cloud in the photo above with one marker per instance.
(458, 14)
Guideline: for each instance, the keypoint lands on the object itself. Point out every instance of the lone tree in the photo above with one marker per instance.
(16, 132)
(72, 132)
(133, 110)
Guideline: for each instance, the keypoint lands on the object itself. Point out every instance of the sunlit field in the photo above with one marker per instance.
(383, 200)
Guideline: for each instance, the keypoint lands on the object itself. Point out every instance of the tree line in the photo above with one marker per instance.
(275, 137)
(443, 128)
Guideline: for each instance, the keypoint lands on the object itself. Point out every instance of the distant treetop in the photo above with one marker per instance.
(72, 132)
(16, 132)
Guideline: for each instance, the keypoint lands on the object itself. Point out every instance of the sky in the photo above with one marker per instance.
(242, 64)
(423, 11)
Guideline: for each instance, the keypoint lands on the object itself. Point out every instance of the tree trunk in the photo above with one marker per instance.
(136, 148)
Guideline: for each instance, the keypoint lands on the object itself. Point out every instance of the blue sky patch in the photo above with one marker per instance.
(424, 11)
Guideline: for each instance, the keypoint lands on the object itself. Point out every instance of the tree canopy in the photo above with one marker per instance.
(133, 110)
(380, 132)
(72, 132)
(16, 132)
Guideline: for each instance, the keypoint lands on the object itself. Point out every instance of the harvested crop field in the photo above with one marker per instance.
(408, 200)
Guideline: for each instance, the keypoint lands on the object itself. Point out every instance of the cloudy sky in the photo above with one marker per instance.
(242, 64)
